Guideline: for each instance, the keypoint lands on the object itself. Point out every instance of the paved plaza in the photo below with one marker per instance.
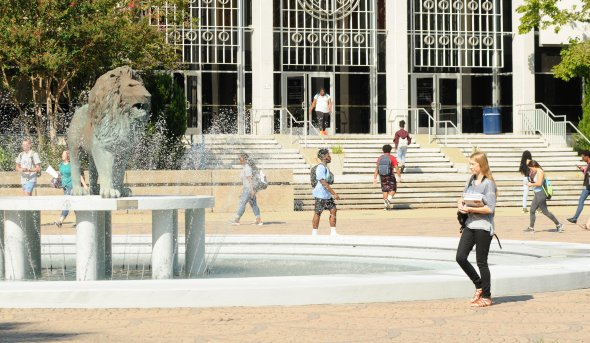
(545, 317)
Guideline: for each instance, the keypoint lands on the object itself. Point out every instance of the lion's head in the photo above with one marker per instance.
(118, 104)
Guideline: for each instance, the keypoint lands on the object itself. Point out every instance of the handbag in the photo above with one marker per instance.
(56, 182)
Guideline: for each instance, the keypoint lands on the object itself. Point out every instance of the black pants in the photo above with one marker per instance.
(482, 240)
(323, 120)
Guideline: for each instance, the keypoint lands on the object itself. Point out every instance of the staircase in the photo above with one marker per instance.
(222, 152)
(361, 153)
(504, 151)
(432, 181)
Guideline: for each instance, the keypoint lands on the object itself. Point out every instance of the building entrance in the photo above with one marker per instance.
(298, 92)
(440, 95)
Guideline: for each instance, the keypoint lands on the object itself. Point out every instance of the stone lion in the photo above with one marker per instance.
(106, 129)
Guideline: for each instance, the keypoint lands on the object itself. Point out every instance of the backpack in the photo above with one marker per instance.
(384, 165)
(314, 181)
(259, 180)
(547, 188)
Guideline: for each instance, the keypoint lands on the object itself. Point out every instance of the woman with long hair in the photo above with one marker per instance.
(65, 171)
(248, 195)
(478, 229)
(540, 200)
(523, 169)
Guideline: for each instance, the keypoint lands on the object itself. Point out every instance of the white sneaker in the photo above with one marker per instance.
(334, 233)
(314, 232)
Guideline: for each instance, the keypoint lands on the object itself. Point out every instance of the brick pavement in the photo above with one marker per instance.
(547, 317)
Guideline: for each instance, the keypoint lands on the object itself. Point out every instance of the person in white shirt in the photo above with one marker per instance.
(28, 164)
(322, 102)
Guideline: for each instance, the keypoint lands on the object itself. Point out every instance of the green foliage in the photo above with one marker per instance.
(168, 103)
(7, 158)
(575, 58)
(48, 44)
(579, 142)
(337, 150)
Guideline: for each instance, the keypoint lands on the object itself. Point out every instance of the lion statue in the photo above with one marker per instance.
(106, 129)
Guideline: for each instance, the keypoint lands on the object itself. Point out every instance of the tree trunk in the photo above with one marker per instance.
(36, 87)
(51, 112)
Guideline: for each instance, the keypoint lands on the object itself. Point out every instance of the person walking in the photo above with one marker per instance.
(525, 172)
(65, 172)
(322, 102)
(28, 164)
(540, 199)
(478, 229)
(585, 154)
(323, 194)
(402, 140)
(385, 169)
(248, 195)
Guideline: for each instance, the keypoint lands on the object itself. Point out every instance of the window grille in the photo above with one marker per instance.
(457, 33)
(327, 32)
(212, 34)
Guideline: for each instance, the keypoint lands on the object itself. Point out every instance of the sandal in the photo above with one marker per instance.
(482, 302)
(584, 226)
(477, 295)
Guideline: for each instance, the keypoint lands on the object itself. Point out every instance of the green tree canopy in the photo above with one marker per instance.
(45, 44)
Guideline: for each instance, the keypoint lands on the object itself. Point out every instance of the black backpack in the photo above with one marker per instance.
(384, 165)
(314, 181)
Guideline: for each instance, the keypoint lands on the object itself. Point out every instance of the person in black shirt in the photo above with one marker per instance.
(525, 172)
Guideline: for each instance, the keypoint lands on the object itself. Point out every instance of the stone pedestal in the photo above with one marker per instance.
(195, 264)
(90, 245)
(22, 245)
(20, 249)
(164, 247)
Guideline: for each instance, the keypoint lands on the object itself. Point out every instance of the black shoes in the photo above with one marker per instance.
(572, 220)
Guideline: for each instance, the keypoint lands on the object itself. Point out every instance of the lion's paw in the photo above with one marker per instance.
(78, 191)
(110, 193)
(126, 192)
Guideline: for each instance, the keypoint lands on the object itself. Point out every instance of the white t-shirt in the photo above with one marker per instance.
(28, 161)
(321, 104)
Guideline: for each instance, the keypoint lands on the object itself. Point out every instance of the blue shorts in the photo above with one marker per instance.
(29, 185)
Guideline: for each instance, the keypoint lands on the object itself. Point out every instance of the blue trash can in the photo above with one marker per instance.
(492, 123)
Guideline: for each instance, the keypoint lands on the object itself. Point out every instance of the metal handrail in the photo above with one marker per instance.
(305, 123)
(456, 130)
(547, 128)
(415, 114)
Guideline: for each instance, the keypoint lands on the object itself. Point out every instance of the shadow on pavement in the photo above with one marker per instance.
(512, 299)
(14, 332)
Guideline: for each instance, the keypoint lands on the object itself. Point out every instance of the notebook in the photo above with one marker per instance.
(473, 199)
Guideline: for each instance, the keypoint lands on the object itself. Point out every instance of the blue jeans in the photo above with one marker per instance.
(246, 198)
(65, 212)
(401, 155)
(581, 201)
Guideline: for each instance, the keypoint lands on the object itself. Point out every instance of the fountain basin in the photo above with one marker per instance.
(522, 267)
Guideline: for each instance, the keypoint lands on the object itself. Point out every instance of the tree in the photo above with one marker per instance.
(46, 44)
(575, 57)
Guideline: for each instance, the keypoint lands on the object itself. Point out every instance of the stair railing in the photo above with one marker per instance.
(537, 118)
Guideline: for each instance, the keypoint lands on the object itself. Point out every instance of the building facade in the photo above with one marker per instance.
(253, 66)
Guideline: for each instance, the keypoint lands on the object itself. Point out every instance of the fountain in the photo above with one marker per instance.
(239, 270)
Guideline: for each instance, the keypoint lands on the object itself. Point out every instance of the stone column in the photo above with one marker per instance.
(1, 244)
(262, 67)
(108, 245)
(163, 244)
(22, 245)
(396, 13)
(195, 264)
(90, 245)
(523, 68)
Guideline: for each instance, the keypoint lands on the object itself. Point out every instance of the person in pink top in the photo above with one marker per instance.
(402, 140)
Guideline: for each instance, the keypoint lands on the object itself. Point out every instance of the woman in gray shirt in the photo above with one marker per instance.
(479, 228)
